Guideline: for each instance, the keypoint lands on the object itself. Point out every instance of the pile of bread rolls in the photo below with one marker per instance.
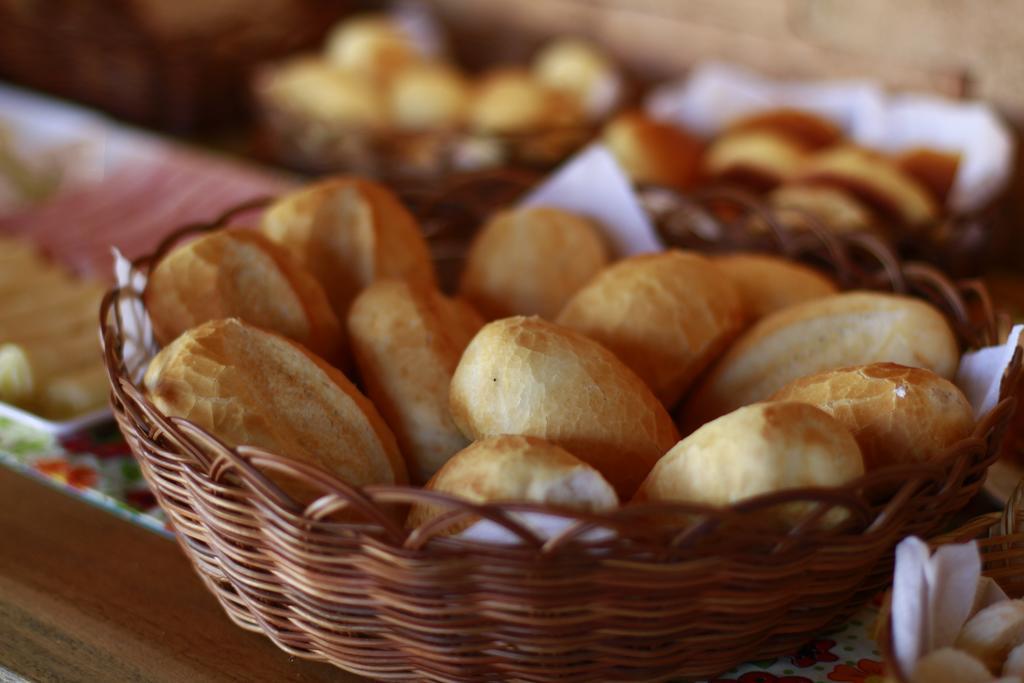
(557, 374)
(798, 161)
(50, 360)
(373, 74)
(988, 649)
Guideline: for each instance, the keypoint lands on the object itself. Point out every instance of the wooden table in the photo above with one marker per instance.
(87, 596)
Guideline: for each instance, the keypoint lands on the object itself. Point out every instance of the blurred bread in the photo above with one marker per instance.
(581, 70)
(349, 232)
(947, 665)
(240, 273)
(874, 180)
(26, 368)
(755, 450)
(758, 159)
(512, 101)
(1014, 664)
(934, 169)
(666, 316)
(314, 89)
(74, 393)
(835, 208)
(428, 96)
(808, 130)
(991, 633)
(853, 328)
(529, 261)
(897, 414)
(530, 377)
(372, 45)
(653, 152)
(249, 387)
(766, 284)
(407, 341)
(522, 469)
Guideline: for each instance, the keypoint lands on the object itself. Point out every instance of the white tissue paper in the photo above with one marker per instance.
(592, 184)
(981, 372)
(933, 596)
(714, 95)
(139, 343)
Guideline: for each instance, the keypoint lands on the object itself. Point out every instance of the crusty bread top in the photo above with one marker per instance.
(348, 232)
(807, 129)
(896, 413)
(759, 158)
(652, 151)
(768, 283)
(525, 469)
(240, 273)
(837, 209)
(247, 386)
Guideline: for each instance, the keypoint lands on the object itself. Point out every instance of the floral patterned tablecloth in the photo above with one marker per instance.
(96, 465)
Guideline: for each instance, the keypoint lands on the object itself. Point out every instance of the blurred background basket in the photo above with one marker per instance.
(616, 596)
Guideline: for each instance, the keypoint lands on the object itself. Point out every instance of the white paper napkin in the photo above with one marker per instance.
(981, 372)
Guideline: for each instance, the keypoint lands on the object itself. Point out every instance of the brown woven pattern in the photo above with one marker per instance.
(616, 596)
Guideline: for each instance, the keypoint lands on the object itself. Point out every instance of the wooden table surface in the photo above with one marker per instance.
(87, 596)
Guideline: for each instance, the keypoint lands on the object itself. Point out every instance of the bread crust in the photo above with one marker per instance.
(651, 151)
(534, 378)
(766, 284)
(667, 316)
(407, 342)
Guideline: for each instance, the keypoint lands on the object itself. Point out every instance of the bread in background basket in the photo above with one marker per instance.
(552, 584)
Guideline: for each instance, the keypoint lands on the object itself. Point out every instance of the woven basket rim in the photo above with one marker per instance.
(848, 496)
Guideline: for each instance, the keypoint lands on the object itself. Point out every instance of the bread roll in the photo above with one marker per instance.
(579, 69)
(314, 89)
(78, 392)
(1014, 664)
(349, 232)
(947, 665)
(755, 158)
(842, 330)
(407, 341)
(428, 96)
(768, 283)
(935, 170)
(991, 633)
(754, 450)
(25, 369)
(654, 152)
(529, 261)
(666, 316)
(371, 45)
(834, 208)
(530, 377)
(512, 101)
(240, 273)
(808, 130)
(249, 387)
(522, 469)
(874, 180)
(897, 414)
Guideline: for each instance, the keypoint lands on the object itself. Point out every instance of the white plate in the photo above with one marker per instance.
(1002, 479)
(61, 428)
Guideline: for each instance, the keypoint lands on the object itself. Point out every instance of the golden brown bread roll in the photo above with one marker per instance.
(768, 283)
(948, 665)
(512, 101)
(935, 170)
(650, 151)
(531, 377)
(249, 387)
(991, 633)
(666, 316)
(407, 341)
(579, 69)
(809, 130)
(529, 261)
(349, 232)
(313, 89)
(428, 96)
(874, 180)
(371, 45)
(517, 469)
(759, 159)
(754, 450)
(897, 414)
(837, 331)
(836, 209)
(240, 273)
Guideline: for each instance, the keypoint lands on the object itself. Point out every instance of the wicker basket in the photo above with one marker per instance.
(611, 597)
